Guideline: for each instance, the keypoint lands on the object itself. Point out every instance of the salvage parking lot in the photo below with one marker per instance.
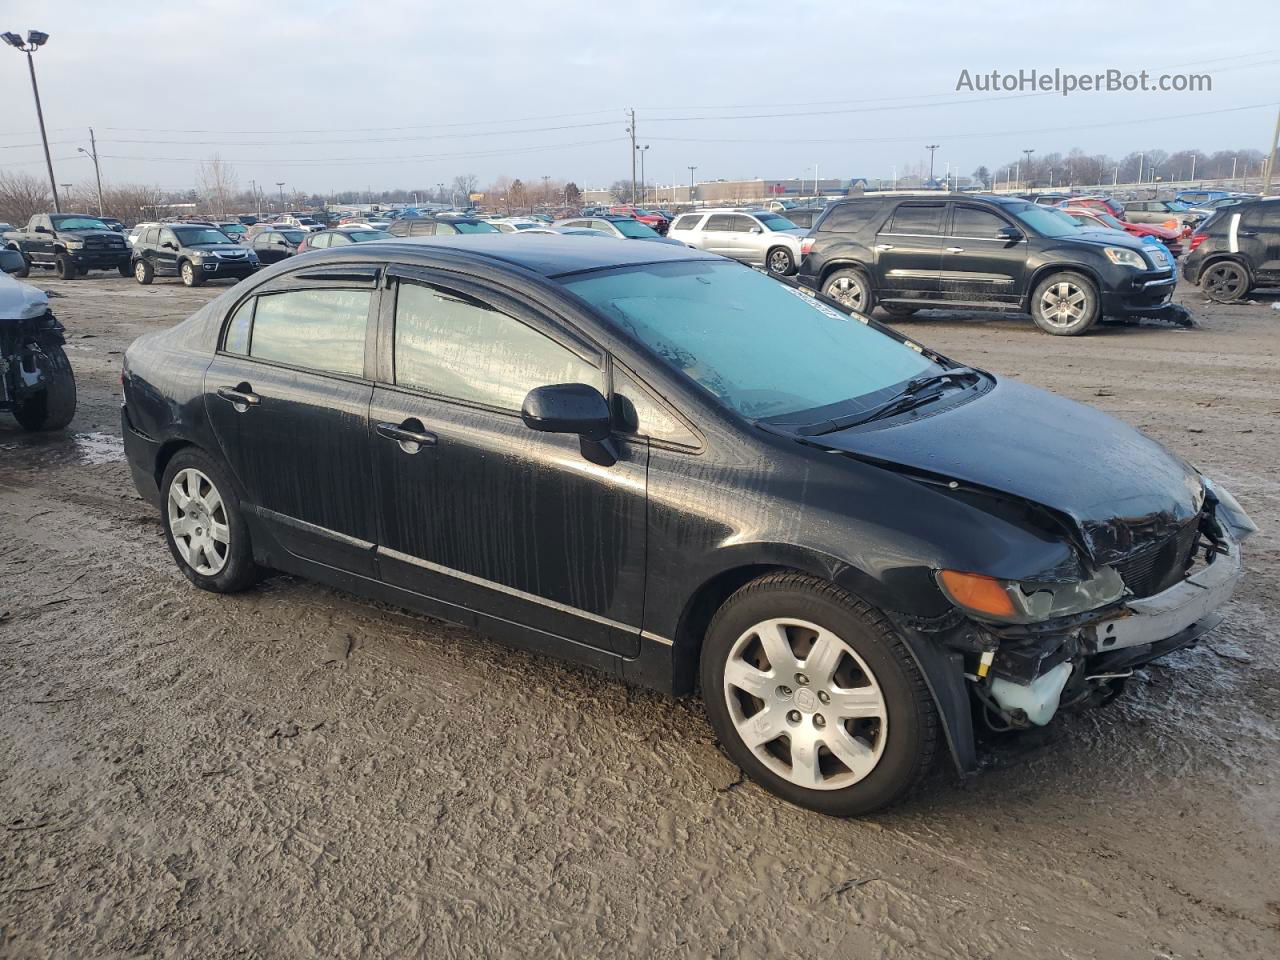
(297, 771)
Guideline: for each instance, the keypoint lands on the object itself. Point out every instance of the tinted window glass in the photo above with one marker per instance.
(1262, 214)
(458, 347)
(317, 329)
(742, 224)
(719, 222)
(635, 411)
(972, 222)
(338, 240)
(687, 222)
(166, 236)
(152, 237)
(850, 217)
(916, 218)
(237, 339)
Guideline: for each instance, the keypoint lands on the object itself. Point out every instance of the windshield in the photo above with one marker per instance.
(634, 228)
(762, 348)
(1043, 220)
(78, 223)
(190, 238)
(775, 222)
(230, 228)
(293, 236)
(360, 236)
(1110, 221)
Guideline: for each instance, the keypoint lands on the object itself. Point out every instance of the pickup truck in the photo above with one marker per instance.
(71, 243)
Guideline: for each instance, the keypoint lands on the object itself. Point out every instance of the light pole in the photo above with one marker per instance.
(35, 40)
(97, 174)
(691, 169)
(280, 185)
(1027, 154)
(931, 147)
(642, 150)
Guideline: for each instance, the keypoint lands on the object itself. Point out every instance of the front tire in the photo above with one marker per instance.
(1225, 281)
(780, 262)
(814, 694)
(143, 272)
(1065, 304)
(54, 406)
(851, 288)
(66, 268)
(191, 277)
(204, 526)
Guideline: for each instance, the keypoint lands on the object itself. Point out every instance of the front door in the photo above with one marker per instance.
(166, 257)
(984, 258)
(288, 400)
(479, 512)
(908, 251)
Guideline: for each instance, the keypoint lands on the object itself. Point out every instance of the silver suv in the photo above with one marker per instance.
(756, 237)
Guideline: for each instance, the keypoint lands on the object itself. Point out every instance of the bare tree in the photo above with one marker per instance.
(22, 196)
(621, 191)
(464, 185)
(218, 184)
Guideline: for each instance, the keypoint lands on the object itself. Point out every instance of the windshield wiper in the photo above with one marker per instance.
(910, 396)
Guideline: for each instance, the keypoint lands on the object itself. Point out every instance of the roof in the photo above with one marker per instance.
(550, 256)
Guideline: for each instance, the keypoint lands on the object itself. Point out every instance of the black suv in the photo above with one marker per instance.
(1235, 250)
(988, 253)
(439, 226)
(194, 253)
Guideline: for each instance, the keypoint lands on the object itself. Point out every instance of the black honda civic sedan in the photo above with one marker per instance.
(687, 474)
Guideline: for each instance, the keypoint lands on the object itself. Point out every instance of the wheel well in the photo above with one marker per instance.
(1219, 257)
(695, 619)
(831, 268)
(166, 453)
(1044, 271)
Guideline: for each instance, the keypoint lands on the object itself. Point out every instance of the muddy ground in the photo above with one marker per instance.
(296, 772)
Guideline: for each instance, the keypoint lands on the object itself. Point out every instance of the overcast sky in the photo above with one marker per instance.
(330, 94)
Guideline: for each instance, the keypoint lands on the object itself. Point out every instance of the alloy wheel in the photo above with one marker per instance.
(847, 291)
(806, 705)
(1063, 304)
(780, 262)
(188, 274)
(198, 522)
(1225, 281)
(139, 271)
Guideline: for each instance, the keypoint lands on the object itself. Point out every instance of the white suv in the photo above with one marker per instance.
(756, 237)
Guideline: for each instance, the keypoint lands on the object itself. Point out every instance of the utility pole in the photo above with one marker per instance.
(1271, 161)
(93, 154)
(816, 192)
(691, 169)
(35, 40)
(1027, 154)
(632, 130)
(280, 184)
(546, 188)
(931, 147)
(642, 150)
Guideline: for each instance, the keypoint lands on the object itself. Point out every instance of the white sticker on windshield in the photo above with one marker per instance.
(816, 304)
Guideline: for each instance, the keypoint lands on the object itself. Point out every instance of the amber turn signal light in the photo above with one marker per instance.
(978, 593)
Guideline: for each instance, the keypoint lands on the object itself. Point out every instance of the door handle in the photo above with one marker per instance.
(955, 249)
(410, 435)
(884, 246)
(241, 397)
(1246, 233)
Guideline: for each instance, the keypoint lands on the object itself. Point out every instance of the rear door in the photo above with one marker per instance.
(288, 398)
(484, 514)
(908, 251)
(980, 264)
(717, 234)
(1259, 238)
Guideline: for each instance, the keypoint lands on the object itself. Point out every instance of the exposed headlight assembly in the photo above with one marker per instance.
(1028, 601)
(1122, 257)
(1230, 514)
(74, 244)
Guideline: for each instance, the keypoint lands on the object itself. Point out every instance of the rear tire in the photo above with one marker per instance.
(1065, 304)
(780, 262)
(1225, 281)
(204, 526)
(66, 268)
(856, 727)
(143, 272)
(54, 406)
(851, 288)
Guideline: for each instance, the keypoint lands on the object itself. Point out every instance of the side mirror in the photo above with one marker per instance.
(1012, 234)
(11, 261)
(567, 408)
(43, 230)
(168, 246)
(757, 229)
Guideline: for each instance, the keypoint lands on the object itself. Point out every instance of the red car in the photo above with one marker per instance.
(1103, 204)
(1097, 218)
(650, 219)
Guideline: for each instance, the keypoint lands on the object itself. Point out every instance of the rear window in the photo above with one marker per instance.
(687, 222)
(850, 217)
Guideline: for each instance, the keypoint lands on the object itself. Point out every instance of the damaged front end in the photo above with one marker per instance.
(1032, 648)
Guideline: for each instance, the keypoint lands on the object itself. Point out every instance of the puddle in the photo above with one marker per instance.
(92, 448)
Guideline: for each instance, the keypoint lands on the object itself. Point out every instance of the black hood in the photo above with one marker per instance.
(90, 233)
(1119, 488)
